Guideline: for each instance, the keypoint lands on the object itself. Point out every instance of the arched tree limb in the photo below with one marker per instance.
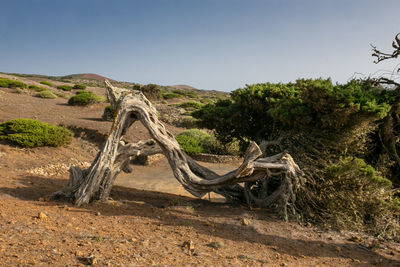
(96, 182)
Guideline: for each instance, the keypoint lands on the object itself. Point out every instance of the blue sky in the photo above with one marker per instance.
(209, 44)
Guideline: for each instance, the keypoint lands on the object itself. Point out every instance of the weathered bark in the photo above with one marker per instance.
(95, 183)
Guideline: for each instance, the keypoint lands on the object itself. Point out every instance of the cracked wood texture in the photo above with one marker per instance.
(268, 181)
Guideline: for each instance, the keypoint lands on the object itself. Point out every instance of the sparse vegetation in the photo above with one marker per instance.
(61, 94)
(47, 83)
(192, 141)
(46, 94)
(81, 92)
(34, 133)
(185, 93)
(188, 122)
(108, 114)
(36, 88)
(195, 141)
(79, 87)
(352, 196)
(85, 98)
(8, 83)
(190, 105)
(151, 91)
(64, 87)
(171, 96)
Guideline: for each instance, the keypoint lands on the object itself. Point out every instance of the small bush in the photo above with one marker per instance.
(65, 87)
(206, 100)
(79, 87)
(189, 94)
(8, 83)
(81, 92)
(188, 122)
(171, 96)
(151, 91)
(46, 94)
(18, 91)
(108, 114)
(85, 98)
(47, 83)
(34, 133)
(212, 145)
(195, 141)
(354, 197)
(61, 94)
(190, 106)
(36, 88)
(192, 141)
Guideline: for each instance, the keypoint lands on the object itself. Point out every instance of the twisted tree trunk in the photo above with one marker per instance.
(271, 181)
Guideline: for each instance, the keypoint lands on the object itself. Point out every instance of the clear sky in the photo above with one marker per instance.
(209, 44)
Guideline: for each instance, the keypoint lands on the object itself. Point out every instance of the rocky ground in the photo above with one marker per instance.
(140, 227)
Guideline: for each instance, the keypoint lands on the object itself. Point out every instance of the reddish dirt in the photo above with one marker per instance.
(142, 227)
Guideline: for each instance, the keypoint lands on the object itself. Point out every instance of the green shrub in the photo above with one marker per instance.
(81, 92)
(190, 105)
(206, 101)
(192, 140)
(8, 83)
(171, 96)
(108, 114)
(257, 111)
(151, 91)
(352, 196)
(212, 145)
(61, 94)
(65, 87)
(79, 87)
(46, 94)
(47, 83)
(34, 133)
(36, 88)
(195, 141)
(85, 98)
(188, 122)
(186, 93)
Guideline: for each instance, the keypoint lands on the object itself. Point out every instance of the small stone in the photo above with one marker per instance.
(133, 239)
(356, 239)
(338, 249)
(41, 216)
(245, 221)
(145, 242)
(188, 245)
(92, 260)
(98, 213)
(78, 253)
(208, 223)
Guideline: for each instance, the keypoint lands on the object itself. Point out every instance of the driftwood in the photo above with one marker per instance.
(268, 182)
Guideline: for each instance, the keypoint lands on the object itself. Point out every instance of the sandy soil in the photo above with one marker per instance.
(139, 226)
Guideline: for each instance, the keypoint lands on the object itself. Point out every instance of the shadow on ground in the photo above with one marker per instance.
(169, 209)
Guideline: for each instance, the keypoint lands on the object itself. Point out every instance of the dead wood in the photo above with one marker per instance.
(269, 182)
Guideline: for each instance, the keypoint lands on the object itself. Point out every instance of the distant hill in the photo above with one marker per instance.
(87, 76)
(96, 80)
(182, 86)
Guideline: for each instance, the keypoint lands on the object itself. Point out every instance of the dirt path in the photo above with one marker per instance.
(159, 177)
(140, 227)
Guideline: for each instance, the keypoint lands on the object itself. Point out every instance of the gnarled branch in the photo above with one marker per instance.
(95, 183)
